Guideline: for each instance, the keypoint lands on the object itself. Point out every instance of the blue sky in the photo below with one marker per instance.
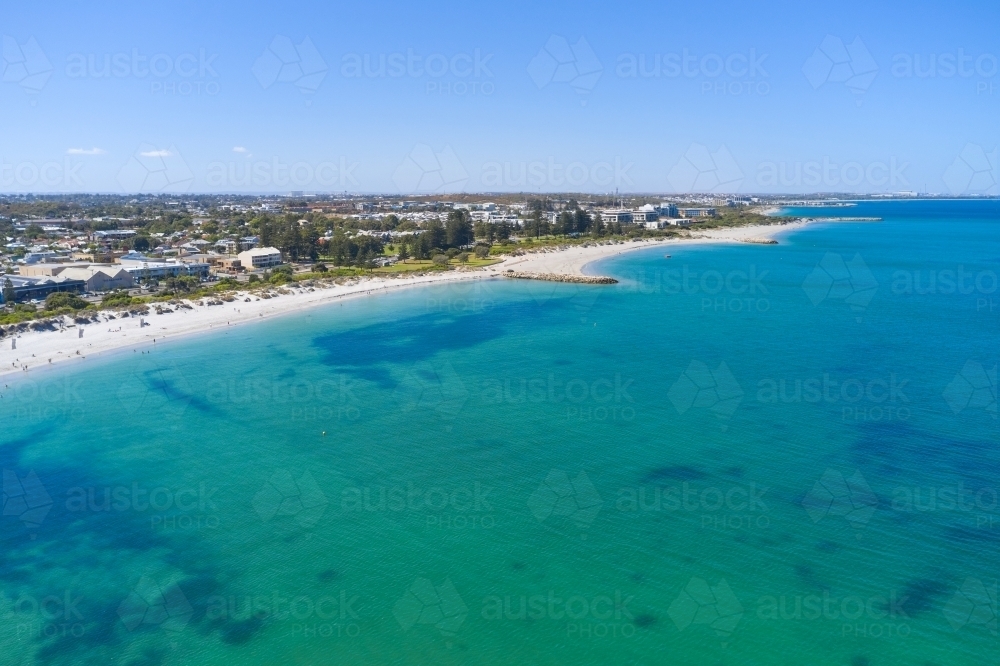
(270, 97)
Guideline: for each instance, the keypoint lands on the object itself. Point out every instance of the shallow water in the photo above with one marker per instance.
(739, 455)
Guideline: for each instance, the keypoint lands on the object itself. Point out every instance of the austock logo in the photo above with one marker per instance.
(702, 171)
(860, 398)
(836, 495)
(433, 387)
(154, 387)
(576, 500)
(701, 603)
(446, 74)
(826, 174)
(974, 171)
(338, 174)
(585, 616)
(39, 618)
(871, 616)
(284, 62)
(700, 387)
(836, 279)
(25, 64)
(437, 605)
(426, 171)
(560, 62)
(974, 386)
(973, 604)
(602, 399)
(154, 605)
(731, 74)
(49, 175)
(182, 74)
(579, 299)
(284, 495)
(152, 169)
(458, 507)
(737, 507)
(25, 498)
(553, 175)
(834, 62)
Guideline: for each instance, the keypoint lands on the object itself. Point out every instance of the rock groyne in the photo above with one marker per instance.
(556, 277)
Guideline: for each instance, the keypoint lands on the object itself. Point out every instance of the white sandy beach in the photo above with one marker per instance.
(573, 260)
(38, 349)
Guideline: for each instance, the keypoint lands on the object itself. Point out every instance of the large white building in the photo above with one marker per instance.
(260, 257)
(645, 214)
(96, 277)
(114, 234)
(101, 278)
(616, 215)
(141, 267)
(40, 257)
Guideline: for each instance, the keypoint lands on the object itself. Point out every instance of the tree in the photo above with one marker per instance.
(265, 229)
(366, 259)
(565, 224)
(435, 234)
(458, 229)
(34, 231)
(404, 254)
(140, 244)
(8, 291)
(535, 223)
(422, 246)
(310, 243)
(291, 240)
(486, 231)
(503, 232)
(337, 248)
(597, 227)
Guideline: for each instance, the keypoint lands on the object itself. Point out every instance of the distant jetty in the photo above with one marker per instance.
(557, 277)
(845, 219)
(760, 241)
(821, 204)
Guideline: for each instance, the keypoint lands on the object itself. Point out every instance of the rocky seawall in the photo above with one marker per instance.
(760, 241)
(556, 277)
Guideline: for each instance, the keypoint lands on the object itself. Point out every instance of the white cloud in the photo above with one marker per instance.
(156, 153)
(85, 151)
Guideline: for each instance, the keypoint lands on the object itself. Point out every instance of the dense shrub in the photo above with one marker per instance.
(64, 299)
(116, 299)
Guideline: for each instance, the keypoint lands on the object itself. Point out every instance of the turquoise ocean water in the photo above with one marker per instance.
(738, 455)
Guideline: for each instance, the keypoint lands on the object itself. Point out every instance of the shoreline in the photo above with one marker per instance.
(37, 350)
(576, 260)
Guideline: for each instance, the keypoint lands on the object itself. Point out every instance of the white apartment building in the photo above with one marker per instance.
(260, 257)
